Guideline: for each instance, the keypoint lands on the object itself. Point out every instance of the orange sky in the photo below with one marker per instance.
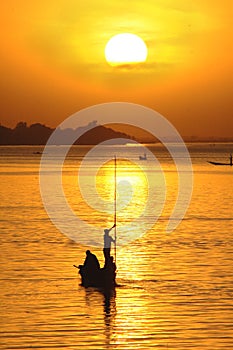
(53, 64)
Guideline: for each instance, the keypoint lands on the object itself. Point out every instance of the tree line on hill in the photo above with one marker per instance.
(38, 134)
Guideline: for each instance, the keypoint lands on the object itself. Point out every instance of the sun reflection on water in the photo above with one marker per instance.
(175, 290)
(132, 193)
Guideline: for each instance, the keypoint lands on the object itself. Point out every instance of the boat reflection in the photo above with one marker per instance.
(109, 303)
(106, 299)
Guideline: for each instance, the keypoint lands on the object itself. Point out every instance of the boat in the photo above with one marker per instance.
(217, 163)
(102, 278)
(143, 157)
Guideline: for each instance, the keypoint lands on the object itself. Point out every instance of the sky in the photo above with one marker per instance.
(52, 61)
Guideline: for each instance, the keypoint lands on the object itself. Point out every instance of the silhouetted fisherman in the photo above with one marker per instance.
(91, 262)
(107, 244)
(231, 160)
(90, 269)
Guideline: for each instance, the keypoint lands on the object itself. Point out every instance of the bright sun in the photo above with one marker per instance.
(125, 49)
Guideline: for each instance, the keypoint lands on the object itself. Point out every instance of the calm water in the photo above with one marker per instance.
(175, 290)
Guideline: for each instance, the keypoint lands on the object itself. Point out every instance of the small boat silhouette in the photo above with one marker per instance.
(103, 278)
(143, 157)
(219, 163)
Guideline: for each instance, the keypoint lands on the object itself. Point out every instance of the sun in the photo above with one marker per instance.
(125, 49)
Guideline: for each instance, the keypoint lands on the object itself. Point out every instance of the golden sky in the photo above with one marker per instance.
(53, 64)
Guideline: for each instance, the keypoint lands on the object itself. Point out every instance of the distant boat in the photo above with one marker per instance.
(143, 157)
(219, 163)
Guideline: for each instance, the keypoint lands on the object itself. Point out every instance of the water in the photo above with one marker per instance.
(175, 290)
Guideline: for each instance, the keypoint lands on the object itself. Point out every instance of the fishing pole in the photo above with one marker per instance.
(115, 203)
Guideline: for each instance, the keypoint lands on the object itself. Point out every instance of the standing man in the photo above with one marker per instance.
(107, 245)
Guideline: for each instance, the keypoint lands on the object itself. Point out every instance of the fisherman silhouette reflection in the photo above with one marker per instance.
(107, 245)
(104, 303)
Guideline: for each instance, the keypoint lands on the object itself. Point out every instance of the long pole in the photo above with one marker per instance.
(115, 203)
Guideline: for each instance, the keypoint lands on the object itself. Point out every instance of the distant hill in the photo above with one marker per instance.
(38, 134)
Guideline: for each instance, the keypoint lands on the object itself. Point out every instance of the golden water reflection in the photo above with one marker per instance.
(175, 290)
(132, 193)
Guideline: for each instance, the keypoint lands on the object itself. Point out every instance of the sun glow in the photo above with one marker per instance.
(132, 188)
(125, 49)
